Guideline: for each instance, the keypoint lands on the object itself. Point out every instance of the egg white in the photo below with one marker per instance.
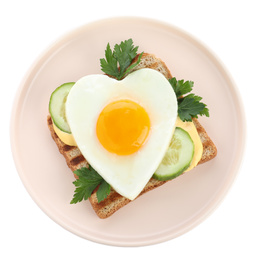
(127, 174)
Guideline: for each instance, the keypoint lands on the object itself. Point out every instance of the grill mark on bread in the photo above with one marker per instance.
(77, 160)
(115, 201)
(67, 148)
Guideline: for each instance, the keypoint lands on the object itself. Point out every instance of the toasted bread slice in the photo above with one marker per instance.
(115, 201)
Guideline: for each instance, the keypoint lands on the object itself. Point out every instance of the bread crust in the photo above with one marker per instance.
(115, 201)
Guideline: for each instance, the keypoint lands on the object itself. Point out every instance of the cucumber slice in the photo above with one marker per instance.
(57, 106)
(178, 156)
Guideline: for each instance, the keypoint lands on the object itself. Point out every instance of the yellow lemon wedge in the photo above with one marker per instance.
(198, 148)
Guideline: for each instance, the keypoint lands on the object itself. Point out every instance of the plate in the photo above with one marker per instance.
(166, 212)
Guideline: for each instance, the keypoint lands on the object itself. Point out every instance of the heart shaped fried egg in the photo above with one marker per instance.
(123, 128)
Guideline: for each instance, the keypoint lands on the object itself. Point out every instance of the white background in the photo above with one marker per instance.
(230, 29)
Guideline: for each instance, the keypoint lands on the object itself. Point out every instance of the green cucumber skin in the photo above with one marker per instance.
(68, 86)
(167, 177)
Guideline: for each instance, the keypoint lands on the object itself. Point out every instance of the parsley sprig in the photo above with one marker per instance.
(189, 106)
(118, 63)
(88, 180)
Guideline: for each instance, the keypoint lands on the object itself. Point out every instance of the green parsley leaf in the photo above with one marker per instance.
(88, 180)
(180, 87)
(189, 106)
(134, 64)
(110, 65)
(116, 63)
(103, 191)
(204, 111)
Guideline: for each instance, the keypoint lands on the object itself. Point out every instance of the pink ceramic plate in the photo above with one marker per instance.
(159, 215)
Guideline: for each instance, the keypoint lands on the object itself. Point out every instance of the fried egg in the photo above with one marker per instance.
(123, 128)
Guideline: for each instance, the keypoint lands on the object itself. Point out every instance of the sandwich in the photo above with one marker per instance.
(170, 147)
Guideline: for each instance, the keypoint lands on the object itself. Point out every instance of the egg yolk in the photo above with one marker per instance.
(122, 127)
